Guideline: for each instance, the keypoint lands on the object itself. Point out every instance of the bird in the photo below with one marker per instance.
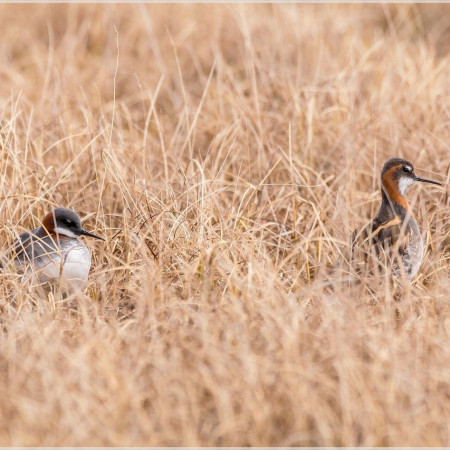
(393, 238)
(53, 252)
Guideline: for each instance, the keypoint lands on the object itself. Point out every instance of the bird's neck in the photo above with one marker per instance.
(393, 200)
(54, 234)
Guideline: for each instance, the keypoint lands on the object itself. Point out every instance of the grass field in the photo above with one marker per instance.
(226, 153)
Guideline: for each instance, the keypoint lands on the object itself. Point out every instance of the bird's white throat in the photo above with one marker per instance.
(65, 232)
(404, 184)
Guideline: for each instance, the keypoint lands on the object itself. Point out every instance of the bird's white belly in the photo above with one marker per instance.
(72, 265)
(416, 248)
(412, 255)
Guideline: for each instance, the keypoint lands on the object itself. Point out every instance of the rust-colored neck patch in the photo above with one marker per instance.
(391, 189)
(48, 224)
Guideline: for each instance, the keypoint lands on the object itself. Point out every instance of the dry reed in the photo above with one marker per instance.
(226, 152)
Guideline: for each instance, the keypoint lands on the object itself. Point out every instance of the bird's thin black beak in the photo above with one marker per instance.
(86, 233)
(425, 180)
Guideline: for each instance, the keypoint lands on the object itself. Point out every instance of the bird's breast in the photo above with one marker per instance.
(413, 255)
(70, 261)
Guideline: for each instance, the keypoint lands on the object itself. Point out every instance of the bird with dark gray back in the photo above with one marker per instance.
(53, 252)
(393, 237)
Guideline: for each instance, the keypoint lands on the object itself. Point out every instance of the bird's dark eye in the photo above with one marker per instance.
(407, 169)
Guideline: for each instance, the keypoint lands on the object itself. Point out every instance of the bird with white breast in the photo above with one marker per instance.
(53, 253)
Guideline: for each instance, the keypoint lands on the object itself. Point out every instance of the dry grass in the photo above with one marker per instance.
(227, 165)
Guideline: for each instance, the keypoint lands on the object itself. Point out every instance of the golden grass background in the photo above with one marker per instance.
(226, 152)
